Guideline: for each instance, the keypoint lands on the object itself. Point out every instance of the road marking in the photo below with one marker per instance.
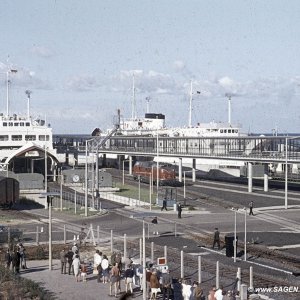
(199, 253)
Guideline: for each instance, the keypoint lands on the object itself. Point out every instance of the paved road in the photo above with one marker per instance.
(65, 287)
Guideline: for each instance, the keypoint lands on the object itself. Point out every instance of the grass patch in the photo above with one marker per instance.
(14, 287)
(133, 192)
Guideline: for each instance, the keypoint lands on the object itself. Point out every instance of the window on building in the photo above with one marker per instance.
(16, 137)
(3, 137)
(30, 137)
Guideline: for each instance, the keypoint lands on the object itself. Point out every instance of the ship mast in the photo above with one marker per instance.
(133, 105)
(229, 108)
(28, 93)
(7, 89)
(7, 86)
(190, 106)
(147, 107)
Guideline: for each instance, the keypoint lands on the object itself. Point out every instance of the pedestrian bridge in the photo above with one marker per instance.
(251, 149)
(265, 149)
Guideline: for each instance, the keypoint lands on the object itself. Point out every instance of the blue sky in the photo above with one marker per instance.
(78, 57)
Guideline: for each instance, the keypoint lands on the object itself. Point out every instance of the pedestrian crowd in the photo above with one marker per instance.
(16, 259)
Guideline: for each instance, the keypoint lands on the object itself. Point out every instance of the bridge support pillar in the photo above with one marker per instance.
(130, 164)
(266, 182)
(180, 169)
(194, 170)
(250, 177)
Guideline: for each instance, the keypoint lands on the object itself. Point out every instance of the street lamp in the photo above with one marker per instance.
(157, 168)
(86, 178)
(245, 237)
(234, 240)
(49, 197)
(245, 242)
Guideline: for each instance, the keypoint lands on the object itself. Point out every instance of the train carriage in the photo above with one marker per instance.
(147, 171)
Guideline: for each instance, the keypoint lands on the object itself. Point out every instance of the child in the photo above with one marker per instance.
(83, 268)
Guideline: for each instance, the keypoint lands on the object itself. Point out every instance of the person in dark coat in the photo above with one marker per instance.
(164, 206)
(8, 259)
(216, 239)
(251, 208)
(179, 210)
(166, 282)
(177, 290)
(16, 260)
(69, 256)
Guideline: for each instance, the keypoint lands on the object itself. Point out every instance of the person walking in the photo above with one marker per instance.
(104, 266)
(154, 285)
(179, 210)
(251, 208)
(164, 206)
(69, 256)
(129, 273)
(197, 292)
(22, 256)
(216, 238)
(114, 279)
(186, 289)
(166, 281)
(76, 267)
(7, 259)
(63, 261)
(97, 264)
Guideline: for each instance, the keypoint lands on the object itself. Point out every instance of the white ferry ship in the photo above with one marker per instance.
(26, 144)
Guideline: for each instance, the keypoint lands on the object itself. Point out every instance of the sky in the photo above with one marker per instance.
(78, 59)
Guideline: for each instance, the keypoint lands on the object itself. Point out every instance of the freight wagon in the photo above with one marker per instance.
(9, 192)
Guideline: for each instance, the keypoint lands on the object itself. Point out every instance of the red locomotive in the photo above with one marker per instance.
(148, 169)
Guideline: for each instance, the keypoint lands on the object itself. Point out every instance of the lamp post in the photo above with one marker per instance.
(234, 240)
(86, 179)
(286, 170)
(184, 184)
(245, 242)
(157, 167)
(49, 197)
(234, 256)
(46, 170)
(139, 190)
(49, 200)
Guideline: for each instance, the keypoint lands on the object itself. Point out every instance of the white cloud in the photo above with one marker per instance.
(42, 51)
(81, 83)
(24, 77)
(145, 82)
(179, 65)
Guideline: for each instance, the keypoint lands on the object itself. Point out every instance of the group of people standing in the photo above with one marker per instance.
(71, 259)
(16, 259)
